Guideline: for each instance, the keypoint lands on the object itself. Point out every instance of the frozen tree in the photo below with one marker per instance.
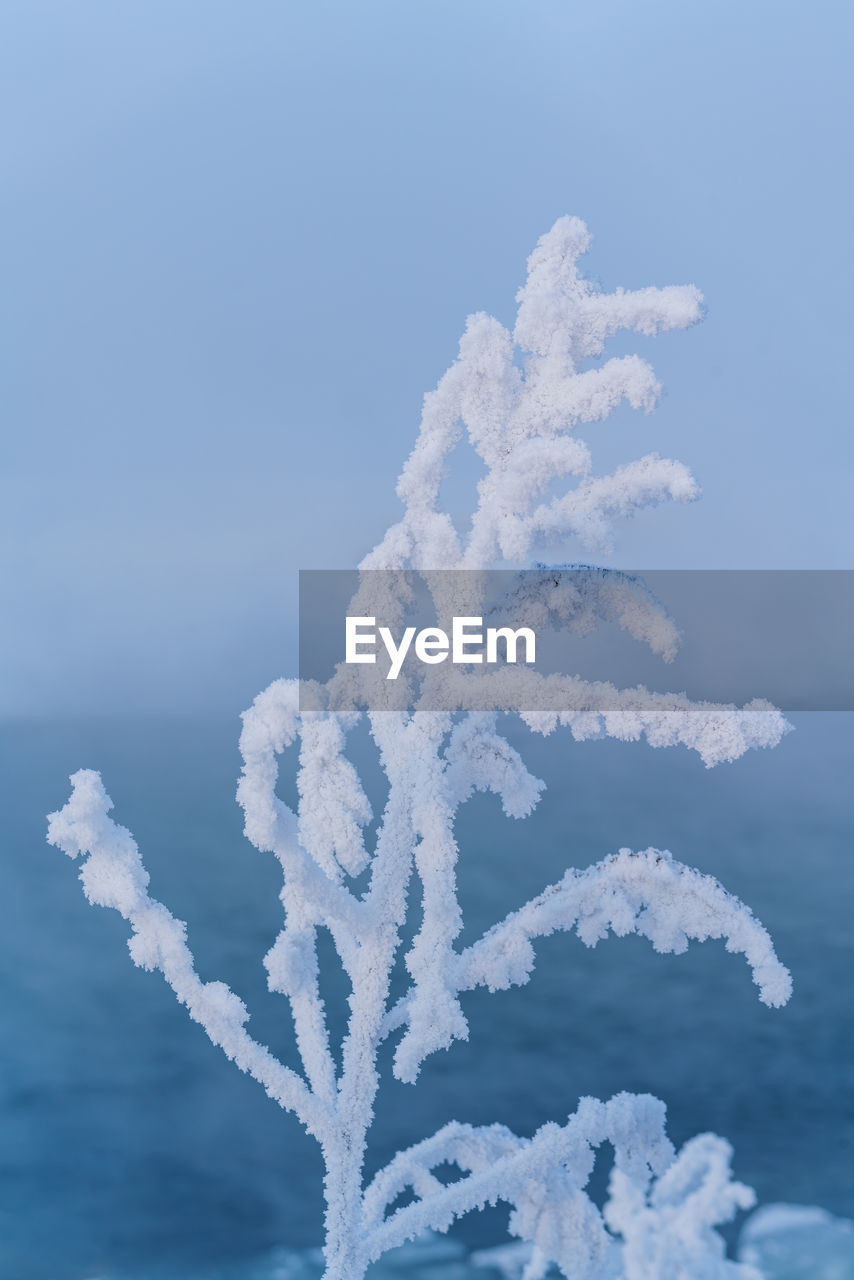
(519, 396)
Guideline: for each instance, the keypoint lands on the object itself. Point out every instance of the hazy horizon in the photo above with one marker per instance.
(240, 248)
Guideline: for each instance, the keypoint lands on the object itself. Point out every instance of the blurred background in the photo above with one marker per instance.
(239, 245)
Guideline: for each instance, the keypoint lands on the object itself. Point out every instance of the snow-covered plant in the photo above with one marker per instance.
(519, 397)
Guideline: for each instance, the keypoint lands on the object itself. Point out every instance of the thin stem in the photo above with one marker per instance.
(369, 974)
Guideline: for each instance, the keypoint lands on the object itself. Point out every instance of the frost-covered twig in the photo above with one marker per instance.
(113, 876)
(542, 1177)
(516, 418)
(646, 893)
(519, 397)
(662, 1210)
(668, 1230)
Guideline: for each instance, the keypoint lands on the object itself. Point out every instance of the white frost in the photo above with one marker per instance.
(519, 397)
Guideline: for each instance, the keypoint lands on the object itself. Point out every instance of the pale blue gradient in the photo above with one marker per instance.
(240, 242)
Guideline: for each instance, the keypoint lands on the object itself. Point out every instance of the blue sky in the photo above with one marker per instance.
(240, 242)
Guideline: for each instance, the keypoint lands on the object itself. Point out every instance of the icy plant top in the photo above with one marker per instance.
(519, 397)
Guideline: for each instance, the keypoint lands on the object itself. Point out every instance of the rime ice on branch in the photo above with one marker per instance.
(519, 397)
(520, 414)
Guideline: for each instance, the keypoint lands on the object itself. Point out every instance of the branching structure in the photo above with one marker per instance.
(519, 398)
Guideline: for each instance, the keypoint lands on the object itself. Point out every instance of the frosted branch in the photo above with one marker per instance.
(517, 396)
(718, 732)
(585, 512)
(555, 401)
(662, 1211)
(435, 1017)
(113, 876)
(647, 893)
(480, 759)
(669, 1230)
(542, 1178)
(577, 597)
(272, 723)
